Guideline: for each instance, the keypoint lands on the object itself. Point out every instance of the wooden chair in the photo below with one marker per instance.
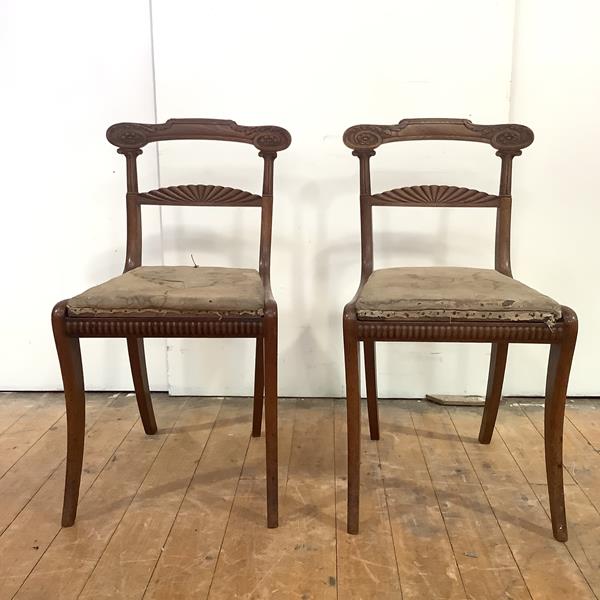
(452, 304)
(177, 301)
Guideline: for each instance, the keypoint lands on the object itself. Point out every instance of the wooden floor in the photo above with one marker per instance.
(182, 514)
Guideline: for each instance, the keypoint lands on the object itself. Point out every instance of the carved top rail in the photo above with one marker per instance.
(506, 137)
(266, 138)
(434, 195)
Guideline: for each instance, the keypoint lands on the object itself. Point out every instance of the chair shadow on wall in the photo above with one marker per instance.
(234, 249)
(313, 214)
(306, 345)
(340, 256)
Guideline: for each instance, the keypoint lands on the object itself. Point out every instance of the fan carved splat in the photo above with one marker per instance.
(435, 195)
(200, 195)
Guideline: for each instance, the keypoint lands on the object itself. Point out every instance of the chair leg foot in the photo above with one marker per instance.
(259, 387)
(351, 358)
(69, 357)
(559, 367)
(137, 361)
(494, 391)
(270, 369)
(371, 384)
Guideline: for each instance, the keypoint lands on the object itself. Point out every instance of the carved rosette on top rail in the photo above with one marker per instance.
(434, 195)
(200, 195)
(267, 138)
(507, 137)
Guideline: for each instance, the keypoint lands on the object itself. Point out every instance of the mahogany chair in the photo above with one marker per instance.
(452, 304)
(177, 301)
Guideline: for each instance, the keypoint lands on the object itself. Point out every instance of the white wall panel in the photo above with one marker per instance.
(68, 70)
(556, 90)
(316, 68)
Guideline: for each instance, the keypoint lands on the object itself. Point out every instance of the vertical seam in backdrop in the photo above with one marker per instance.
(160, 212)
(513, 63)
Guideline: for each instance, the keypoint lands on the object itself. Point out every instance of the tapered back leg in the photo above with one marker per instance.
(137, 360)
(270, 365)
(494, 391)
(351, 357)
(371, 384)
(259, 387)
(69, 357)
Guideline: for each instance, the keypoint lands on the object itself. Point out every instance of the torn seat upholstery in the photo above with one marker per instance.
(177, 290)
(452, 293)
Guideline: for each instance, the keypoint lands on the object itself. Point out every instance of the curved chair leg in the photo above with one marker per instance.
(351, 357)
(259, 388)
(137, 360)
(494, 391)
(270, 368)
(371, 383)
(69, 357)
(559, 367)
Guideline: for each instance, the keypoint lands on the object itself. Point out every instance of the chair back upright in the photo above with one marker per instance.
(507, 139)
(131, 137)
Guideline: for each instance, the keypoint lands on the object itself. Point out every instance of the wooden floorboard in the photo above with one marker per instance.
(547, 567)
(187, 564)
(366, 563)
(28, 474)
(29, 535)
(13, 406)
(27, 428)
(424, 555)
(181, 514)
(259, 563)
(485, 562)
(67, 564)
(582, 462)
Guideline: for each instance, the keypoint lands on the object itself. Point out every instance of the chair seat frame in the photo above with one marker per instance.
(129, 139)
(508, 140)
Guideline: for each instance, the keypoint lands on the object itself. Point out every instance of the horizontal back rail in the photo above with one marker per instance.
(135, 135)
(504, 137)
(434, 196)
(199, 195)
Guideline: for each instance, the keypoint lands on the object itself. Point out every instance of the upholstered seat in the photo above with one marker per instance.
(177, 290)
(452, 293)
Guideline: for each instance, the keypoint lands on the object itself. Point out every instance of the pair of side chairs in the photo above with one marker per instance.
(442, 304)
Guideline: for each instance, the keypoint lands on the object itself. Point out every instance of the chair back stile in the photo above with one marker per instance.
(131, 137)
(266, 219)
(133, 252)
(366, 212)
(508, 140)
(504, 212)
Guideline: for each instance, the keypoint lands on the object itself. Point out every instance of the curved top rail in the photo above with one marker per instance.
(504, 137)
(267, 138)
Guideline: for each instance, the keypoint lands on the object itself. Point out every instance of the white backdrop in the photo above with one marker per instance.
(314, 68)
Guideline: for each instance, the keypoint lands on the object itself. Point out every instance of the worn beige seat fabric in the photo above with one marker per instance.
(177, 290)
(452, 293)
